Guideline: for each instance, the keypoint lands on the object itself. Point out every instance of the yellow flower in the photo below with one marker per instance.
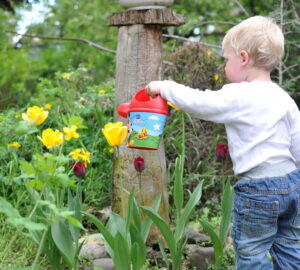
(71, 132)
(67, 76)
(101, 92)
(35, 115)
(48, 106)
(173, 106)
(85, 156)
(14, 144)
(51, 139)
(81, 154)
(75, 154)
(209, 52)
(115, 133)
(216, 77)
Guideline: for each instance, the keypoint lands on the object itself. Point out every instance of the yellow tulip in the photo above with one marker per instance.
(51, 139)
(35, 115)
(14, 144)
(71, 132)
(115, 133)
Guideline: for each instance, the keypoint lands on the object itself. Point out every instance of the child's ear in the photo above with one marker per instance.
(244, 57)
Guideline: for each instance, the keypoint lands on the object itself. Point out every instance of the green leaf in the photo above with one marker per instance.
(27, 168)
(138, 242)
(121, 253)
(194, 199)
(164, 254)
(163, 228)
(178, 190)
(130, 209)
(106, 234)
(36, 184)
(226, 211)
(218, 247)
(136, 215)
(147, 221)
(64, 242)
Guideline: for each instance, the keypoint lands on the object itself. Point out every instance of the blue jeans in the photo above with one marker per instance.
(266, 218)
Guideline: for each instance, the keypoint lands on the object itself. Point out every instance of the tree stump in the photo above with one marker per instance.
(139, 61)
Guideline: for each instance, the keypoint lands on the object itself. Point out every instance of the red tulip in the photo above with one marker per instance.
(139, 164)
(79, 169)
(222, 150)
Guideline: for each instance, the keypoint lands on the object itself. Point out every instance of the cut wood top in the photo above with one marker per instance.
(163, 16)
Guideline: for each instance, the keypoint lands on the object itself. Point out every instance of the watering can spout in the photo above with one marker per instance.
(123, 109)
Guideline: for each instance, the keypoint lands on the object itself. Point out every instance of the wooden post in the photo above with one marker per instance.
(139, 61)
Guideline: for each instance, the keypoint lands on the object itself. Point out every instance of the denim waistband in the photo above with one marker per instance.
(270, 170)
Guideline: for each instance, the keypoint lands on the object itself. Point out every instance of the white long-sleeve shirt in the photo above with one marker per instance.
(262, 121)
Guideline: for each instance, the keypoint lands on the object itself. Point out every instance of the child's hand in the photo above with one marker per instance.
(153, 88)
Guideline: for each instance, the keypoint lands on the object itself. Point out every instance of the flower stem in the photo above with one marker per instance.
(121, 180)
(39, 251)
(140, 188)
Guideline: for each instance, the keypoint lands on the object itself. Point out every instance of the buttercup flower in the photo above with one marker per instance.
(115, 133)
(79, 169)
(101, 92)
(81, 154)
(67, 76)
(35, 115)
(139, 164)
(173, 106)
(51, 139)
(14, 144)
(216, 77)
(222, 150)
(48, 106)
(70, 132)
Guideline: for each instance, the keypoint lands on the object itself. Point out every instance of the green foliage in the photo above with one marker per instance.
(126, 236)
(218, 239)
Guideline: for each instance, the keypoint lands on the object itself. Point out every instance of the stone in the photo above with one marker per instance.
(93, 251)
(200, 257)
(105, 263)
(194, 237)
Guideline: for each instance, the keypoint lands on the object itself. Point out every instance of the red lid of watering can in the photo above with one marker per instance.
(142, 102)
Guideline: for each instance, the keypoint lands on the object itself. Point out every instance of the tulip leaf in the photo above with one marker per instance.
(226, 211)
(178, 190)
(136, 215)
(163, 228)
(138, 252)
(64, 242)
(121, 253)
(147, 221)
(218, 247)
(194, 199)
(130, 208)
(106, 234)
(164, 254)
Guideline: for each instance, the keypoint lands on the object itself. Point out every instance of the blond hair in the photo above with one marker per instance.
(260, 37)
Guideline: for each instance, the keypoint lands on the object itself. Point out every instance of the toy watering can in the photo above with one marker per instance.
(147, 117)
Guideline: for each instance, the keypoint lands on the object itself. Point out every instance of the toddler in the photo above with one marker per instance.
(262, 123)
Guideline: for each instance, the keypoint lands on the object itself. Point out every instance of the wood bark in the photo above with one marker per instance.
(139, 61)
